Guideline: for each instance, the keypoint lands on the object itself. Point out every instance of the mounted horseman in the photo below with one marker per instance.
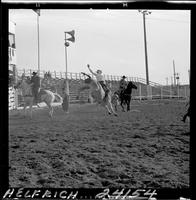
(122, 84)
(124, 92)
(29, 90)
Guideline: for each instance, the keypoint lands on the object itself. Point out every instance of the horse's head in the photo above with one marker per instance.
(131, 85)
(88, 80)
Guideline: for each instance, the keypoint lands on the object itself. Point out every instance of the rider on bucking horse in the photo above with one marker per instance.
(100, 78)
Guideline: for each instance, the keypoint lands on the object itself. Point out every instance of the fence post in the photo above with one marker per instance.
(140, 92)
(178, 88)
(170, 91)
(149, 92)
(161, 92)
(185, 95)
(55, 74)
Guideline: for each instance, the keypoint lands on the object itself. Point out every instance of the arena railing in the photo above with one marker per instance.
(76, 75)
(169, 90)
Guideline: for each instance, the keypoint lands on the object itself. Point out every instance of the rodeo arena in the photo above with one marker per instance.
(88, 140)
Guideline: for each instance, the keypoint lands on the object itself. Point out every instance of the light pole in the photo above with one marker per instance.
(189, 77)
(38, 45)
(178, 79)
(174, 73)
(66, 94)
(144, 13)
(149, 91)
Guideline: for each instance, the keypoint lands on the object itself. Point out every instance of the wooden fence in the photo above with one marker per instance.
(156, 91)
(79, 76)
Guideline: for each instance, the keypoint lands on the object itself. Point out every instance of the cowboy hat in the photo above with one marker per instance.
(124, 77)
(34, 73)
(99, 71)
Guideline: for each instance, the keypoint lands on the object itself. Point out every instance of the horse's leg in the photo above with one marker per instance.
(121, 103)
(128, 105)
(50, 109)
(111, 108)
(115, 106)
(109, 112)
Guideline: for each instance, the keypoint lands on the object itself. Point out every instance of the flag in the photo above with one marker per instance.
(37, 11)
(71, 33)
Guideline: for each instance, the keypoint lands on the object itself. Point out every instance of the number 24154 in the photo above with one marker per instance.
(121, 194)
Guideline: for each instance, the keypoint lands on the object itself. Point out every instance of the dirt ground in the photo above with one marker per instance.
(87, 148)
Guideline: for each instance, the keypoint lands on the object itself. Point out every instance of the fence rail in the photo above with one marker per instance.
(157, 91)
(75, 75)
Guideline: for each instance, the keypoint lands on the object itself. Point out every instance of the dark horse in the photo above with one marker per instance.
(125, 95)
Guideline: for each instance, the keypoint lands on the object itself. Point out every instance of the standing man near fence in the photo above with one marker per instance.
(36, 85)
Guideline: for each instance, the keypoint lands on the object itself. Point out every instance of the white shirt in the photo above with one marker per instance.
(100, 77)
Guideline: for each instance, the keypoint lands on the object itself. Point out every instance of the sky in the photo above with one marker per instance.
(110, 40)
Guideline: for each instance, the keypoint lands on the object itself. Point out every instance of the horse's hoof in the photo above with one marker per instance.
(109, 113)
(115, 114)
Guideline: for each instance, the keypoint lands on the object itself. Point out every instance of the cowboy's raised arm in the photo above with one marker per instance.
(91, 70)
(86, 74)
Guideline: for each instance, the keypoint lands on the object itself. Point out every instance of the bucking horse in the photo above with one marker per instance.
(98, 93)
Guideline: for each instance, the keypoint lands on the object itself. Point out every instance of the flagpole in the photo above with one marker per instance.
(38, 45)
(65, 104)
(66, 69)
(66, 94)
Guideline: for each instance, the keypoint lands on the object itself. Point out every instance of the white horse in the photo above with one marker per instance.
(98, 94)
(45, 96)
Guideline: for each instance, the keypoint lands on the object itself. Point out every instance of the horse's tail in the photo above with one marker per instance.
(58, 97)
